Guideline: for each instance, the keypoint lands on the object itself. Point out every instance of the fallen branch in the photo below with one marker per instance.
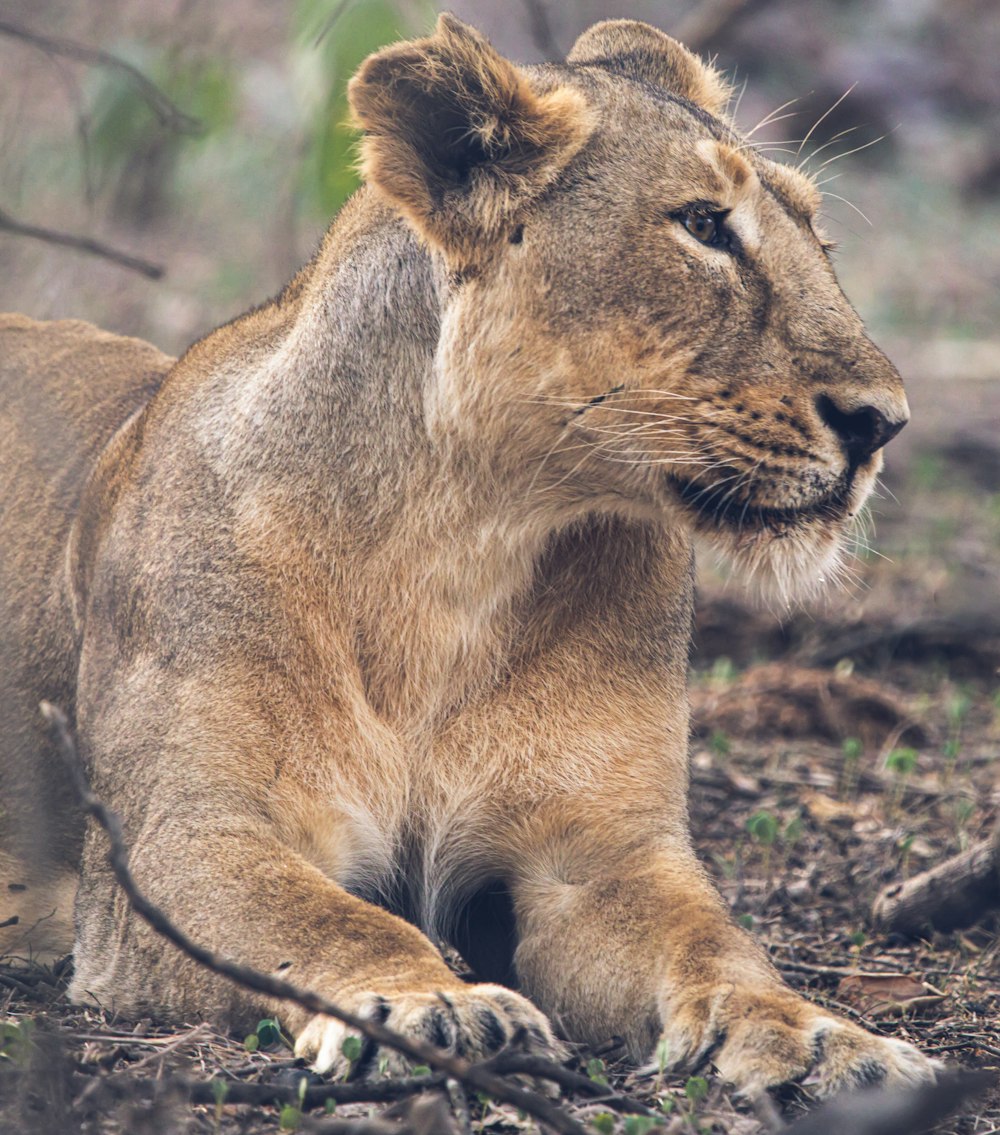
(525, 1064)
(476, 1076)
(123, 1085)
(428, 1115)
(168, 113)
(81, 244)
(896, 1111)
(956, 893)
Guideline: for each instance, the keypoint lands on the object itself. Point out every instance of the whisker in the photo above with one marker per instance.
(847, 153)
(850, 204)
(826, 114)
(772, 117)
(739, 98)
(832, 141)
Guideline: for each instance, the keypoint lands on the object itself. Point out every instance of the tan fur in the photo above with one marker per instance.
(374, 608)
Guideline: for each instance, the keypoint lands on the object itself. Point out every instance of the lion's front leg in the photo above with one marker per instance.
(648, 952)
(237, 889)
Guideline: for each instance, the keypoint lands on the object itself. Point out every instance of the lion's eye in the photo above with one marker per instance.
(702, 226)
(706, 224)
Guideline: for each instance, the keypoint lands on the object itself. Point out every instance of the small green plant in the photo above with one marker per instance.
(858, 939)
(640, 1124)
(852, 750)
(902, 763)
(603, 1123)
(957, 710)
(290, 1115)
(696, 1089)
(793, 832)
(220, 1089)
(723, 670)
(964, 811)
(267, 1034)
(763, 829)
(719, 743)
(662, 1062)
(597, 1070)
(746, 921)
(15, 1040)
(905, 846)
(350, 1048)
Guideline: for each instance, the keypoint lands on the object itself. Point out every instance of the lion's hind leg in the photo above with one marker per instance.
(36, 910)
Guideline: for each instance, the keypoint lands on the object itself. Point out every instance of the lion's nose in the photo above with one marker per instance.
(860, 431)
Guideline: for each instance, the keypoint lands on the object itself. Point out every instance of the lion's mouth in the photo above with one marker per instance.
(722, 506)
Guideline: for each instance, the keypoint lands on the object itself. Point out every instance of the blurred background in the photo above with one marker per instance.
(225, 175)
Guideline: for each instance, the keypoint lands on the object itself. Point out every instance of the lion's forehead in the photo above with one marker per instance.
(681, 150)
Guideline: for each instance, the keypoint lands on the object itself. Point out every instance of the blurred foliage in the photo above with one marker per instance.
(129, 148)
(132, 152)
(331, 41)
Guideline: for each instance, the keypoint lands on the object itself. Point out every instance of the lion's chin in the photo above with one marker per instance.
(787, 555)
(794, 565)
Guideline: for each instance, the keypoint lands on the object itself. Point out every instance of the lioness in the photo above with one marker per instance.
(373, 610)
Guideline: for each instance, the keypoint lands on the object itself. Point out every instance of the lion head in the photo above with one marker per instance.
(639, 312)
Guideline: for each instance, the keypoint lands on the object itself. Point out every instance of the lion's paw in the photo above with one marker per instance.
(763, 1040)
(474, 1023)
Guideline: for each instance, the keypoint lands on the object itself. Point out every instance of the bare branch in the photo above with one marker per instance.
(168, 113)
(328, 23)
(476, 1076)
(427, 1115)
(541, 30)
(711, 20)
(127, 1086)
(82, 244)
(890, 1111)
(527, 1064)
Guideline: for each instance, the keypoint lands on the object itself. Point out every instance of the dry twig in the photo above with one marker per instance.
(712, 19)
(123, 1085)
(541, 30)
(166, 111)
(428, 1115)
(82, 244)
(896, 1111)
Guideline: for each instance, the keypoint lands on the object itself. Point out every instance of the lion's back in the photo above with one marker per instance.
(65, 387)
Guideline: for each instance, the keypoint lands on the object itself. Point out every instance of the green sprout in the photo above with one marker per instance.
(852, 749)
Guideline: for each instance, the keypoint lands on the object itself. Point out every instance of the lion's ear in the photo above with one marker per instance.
(634, 49)
(456, 136)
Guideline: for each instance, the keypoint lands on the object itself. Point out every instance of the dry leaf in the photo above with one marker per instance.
(826, 810)
(884, 994)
